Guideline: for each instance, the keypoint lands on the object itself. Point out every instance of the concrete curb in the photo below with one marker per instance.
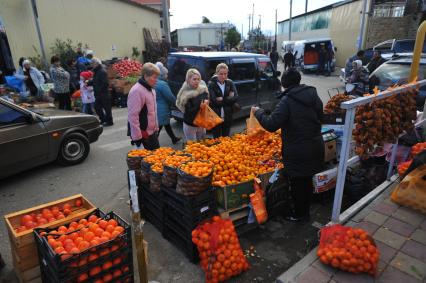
(290, 275)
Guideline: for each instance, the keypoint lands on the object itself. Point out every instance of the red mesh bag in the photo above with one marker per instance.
(349, 249)
(219, 249)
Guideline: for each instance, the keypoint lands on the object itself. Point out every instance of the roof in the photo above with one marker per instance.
(215, 54)
(325, 8)
(210, 25)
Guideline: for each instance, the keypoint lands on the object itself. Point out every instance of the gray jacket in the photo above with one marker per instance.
(60, 79)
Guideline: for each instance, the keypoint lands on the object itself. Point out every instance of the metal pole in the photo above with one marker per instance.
(40, 38)
(306, 6)
(361, 31)
(341, 170)
(252, 18)
(289, 22)
(166, 22)
(276, 19)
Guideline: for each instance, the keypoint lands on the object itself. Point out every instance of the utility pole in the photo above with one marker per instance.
(166, 22)
(242, 31)
(260, 22)
(361, 30)
(306, 6)
(289, 22)
(252, 18)
(40, 38)
(276, 19)
(249, 29)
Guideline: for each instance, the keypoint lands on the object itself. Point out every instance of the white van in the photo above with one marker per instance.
(286, 46)
(306, 53)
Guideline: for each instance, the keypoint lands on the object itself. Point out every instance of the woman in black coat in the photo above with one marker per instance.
(299, 114)
(223, 96)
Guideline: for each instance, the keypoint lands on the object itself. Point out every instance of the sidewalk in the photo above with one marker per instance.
(400, 234)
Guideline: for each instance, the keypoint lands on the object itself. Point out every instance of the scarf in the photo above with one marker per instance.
(186, 92)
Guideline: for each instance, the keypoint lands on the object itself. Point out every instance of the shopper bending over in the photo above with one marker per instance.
(223, 96)
(165, 100)
(298, 115)
(192, 93)
(142, 109)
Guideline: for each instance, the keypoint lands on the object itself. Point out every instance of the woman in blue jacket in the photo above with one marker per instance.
(165, 100)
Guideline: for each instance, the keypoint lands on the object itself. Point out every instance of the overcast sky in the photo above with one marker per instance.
(186, 12)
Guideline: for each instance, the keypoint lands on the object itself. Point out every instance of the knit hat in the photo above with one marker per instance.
(86, 75)
(163, 70)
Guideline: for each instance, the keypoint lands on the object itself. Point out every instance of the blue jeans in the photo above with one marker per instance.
(88, 108)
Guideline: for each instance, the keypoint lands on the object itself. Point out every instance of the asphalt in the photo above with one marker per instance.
(102, 179)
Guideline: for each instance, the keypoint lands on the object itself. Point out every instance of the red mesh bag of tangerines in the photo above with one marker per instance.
(219, 249)
(349, 249)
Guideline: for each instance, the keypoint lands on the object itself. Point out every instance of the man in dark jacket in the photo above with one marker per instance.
(288, 60)
(102, 97)
(298, 115)
(376, 61)
(223, 96)
(274, 57)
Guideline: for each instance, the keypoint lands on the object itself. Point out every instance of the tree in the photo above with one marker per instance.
(232, 37)
(205, 20)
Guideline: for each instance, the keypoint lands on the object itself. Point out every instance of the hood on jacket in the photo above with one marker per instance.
(186, 92)
(302, 93)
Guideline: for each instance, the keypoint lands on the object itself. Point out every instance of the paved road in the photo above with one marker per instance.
(102, 179)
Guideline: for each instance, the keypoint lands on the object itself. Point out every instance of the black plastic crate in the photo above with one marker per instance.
(189, 203)
(190, 221)
(153, 197)
(67, 270)
(154, 209)
(183, 243)
(157, 222)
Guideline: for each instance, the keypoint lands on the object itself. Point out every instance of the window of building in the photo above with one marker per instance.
(393, 9)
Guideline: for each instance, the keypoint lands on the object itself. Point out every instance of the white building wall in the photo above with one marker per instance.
(199, 36)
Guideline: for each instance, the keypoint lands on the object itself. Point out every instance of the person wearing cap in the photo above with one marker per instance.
(165, 100)
(33, 79)
(86, 91)
(298, 114)
(84, 61)
(61, 83)
(102, 97)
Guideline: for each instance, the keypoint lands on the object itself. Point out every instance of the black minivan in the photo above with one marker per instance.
(253, 74)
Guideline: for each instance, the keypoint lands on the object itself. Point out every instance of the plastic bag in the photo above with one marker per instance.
(349, 249)
(411, 192)
(258, 203)
(253, 126)
(206, 118)
(15, 82)
(76, 94)
(219, 249)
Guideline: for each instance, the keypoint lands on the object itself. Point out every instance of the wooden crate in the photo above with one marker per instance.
(23, 246)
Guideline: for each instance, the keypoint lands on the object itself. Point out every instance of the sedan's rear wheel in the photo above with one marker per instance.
(74, 149)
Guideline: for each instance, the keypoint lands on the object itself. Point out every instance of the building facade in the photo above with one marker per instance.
(109, 27)
(384, 19)
(200, 35)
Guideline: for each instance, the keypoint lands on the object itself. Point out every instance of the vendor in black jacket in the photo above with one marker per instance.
(102, 97)
(298, 115)
(223, 96)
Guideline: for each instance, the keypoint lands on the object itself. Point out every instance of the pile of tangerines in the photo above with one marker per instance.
(219, 250)
(239, 158)
(349, 249)
(157, 157)
(197, 168)
(138, 153)
(175, 161)
(46, 215)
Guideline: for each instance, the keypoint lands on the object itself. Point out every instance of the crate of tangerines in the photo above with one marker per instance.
(170, 165)
(349, 249)
(97, 248)
(194, 177)
(155, 158)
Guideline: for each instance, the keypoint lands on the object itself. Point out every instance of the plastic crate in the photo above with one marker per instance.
(56, 270)
(190, 221)
(184, 243)
(153, 197)
(157, 222)
(189, 203)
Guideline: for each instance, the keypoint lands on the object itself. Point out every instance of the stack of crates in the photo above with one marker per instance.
(152, 204)
(111, 260)
(182, 214)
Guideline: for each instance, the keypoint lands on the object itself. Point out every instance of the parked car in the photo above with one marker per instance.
(396, 71)
(29, 138)
(253, 74)
(307, 50)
